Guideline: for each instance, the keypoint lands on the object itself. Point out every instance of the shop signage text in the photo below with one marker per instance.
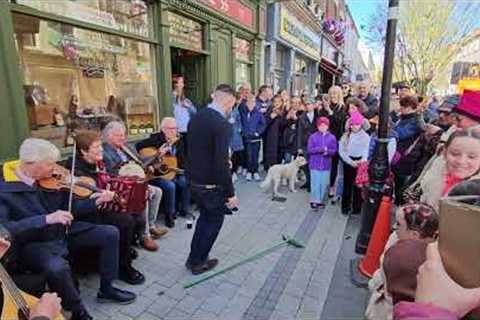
(185, 32)
(234, 9)
(298, 34)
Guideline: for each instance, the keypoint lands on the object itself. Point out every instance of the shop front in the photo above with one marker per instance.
(294, 51)
(72, 65)
(66, 65)
(329, 70)
(211, 42)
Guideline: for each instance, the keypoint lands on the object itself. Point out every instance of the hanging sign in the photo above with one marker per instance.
(298, 34)
(234, 9)
(185, 32)
(242, 49)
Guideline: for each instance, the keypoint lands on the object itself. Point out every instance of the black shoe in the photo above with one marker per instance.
(207, 266)
(169, 221)
(356, 212)
(131, 276)
(133, 254)
(116, 296)
(81, 315)
(345, 212)
(305, 186)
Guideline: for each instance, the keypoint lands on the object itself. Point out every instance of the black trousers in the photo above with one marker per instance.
(51, 258)
(352, 195)
(334, 172)
(126, 225)
(212, 213)
(238, 160)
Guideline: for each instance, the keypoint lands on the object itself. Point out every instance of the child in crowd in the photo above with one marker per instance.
(236, 142)
(322, 145)
(353, 149)
(253, 125)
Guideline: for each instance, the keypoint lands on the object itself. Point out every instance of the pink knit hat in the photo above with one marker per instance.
(469, 105)
(356, 118)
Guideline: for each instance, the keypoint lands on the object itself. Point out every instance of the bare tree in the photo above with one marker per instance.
(430, 34)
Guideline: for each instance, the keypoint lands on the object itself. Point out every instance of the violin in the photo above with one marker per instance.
(83, 187)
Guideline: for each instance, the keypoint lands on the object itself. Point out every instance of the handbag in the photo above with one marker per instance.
(362, 179)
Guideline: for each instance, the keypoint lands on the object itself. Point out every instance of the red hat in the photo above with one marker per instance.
(469, 105)
(323, 120)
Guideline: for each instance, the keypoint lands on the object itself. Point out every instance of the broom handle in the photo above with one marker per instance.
(255, 256)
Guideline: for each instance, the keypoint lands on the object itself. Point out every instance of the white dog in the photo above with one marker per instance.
(283, 171)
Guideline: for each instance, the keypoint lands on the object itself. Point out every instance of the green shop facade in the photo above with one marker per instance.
(68, 64)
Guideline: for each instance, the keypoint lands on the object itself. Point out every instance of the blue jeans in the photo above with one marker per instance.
(319, 182)
(173, 190)
(253, 148)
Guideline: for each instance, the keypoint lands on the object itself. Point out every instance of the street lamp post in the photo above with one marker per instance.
(379, 166)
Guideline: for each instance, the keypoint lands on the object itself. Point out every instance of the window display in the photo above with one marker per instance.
(126, 15)
(79, 78)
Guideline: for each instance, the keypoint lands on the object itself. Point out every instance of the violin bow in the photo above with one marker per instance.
(72, 171)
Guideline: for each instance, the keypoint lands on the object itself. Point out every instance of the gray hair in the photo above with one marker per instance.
(112, 126)
(33, 150)
(165, 120)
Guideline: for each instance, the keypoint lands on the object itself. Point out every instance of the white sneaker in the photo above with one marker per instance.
(256, 176)
(234, 177)
(249, 176)
(239, 170)
(245, 172)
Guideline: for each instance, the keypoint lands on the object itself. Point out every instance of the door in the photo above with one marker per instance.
(224, 58)
(191, 66)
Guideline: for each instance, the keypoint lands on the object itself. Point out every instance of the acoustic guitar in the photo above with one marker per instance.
(16, 303)
(167, 166)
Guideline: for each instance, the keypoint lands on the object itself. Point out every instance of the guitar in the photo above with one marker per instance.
(167, 166)
(16, 303)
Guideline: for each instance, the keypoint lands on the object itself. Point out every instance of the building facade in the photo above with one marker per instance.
(70, 64)
(304, 48)
(293, 46)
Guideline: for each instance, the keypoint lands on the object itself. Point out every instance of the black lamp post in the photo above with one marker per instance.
(379, 166)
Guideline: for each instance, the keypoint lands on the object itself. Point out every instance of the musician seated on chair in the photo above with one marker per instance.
(89, 163)
(116, 153)
(39, 222)
(169, 142)
(47, 308)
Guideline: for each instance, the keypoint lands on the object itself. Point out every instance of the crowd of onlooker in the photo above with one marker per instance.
(433, 148)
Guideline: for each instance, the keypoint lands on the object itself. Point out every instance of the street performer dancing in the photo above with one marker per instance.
(208, 171)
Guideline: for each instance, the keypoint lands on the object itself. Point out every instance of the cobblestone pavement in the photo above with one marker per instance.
(289, 283)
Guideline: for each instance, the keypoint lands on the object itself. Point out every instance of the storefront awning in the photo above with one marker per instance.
(325, 65)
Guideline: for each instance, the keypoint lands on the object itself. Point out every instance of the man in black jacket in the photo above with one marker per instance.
(208, 171)
(370, 100)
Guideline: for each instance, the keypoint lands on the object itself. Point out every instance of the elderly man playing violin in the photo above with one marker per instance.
(169, 142)
(39, 222)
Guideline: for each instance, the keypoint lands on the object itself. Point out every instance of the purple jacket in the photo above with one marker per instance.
(321, 148)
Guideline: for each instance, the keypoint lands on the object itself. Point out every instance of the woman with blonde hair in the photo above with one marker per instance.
(338, 116)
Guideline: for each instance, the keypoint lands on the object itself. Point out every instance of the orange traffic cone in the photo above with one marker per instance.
(378, 239)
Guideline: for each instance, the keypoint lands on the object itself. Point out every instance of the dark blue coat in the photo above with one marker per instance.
(23, 211)
(253, 124)
(407, 129)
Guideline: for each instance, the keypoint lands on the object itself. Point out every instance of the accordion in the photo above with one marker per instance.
(132, 190)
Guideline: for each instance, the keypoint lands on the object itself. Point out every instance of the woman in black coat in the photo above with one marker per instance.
(271, 136)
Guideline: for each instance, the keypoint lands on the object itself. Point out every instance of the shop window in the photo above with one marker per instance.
(243, 74)
(126, 15)
(76, 78)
